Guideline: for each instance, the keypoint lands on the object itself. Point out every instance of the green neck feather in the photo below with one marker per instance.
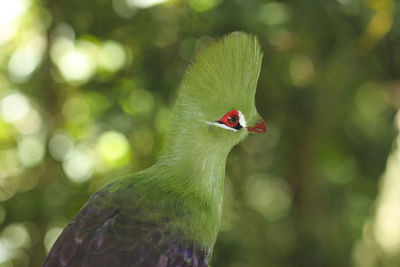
(196, 172)
(192, 167)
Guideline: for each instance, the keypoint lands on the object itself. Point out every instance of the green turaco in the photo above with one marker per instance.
(169, 214)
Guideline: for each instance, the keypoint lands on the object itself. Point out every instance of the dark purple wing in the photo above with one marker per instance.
(108, 236)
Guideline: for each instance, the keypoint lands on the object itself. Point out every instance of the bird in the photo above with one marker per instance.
(169, 214)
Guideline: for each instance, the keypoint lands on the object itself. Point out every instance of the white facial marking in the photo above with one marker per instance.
(242, 123)
(221, 125)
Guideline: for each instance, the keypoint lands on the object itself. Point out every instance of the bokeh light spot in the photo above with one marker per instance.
(282, 40)
(16, 235)
(29, 124)
(123, 8)
(274, 13)
(51, 236)
(76, 61)
(62, 43)
(26, 58)
(140, 102)
(112, 56)
(61, 146)
(113, 148)
(14, 107)
(9, 164)
(75, 66)
(10, 13)
(5, 253)
(202, 5)
(144, 3)
(370, 108)
(30, 151)
(301, 70)
(78, 166)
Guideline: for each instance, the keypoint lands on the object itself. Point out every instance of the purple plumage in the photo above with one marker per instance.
(113, 236)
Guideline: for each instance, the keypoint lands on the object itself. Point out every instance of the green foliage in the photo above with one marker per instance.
(80, 77)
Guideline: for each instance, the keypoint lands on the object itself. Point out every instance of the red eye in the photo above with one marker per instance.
(231, 119)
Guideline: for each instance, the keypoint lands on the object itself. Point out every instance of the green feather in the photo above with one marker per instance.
(189, 177)
(180, 196)
(223, 77)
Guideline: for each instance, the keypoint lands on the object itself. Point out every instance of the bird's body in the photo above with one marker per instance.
(169, 214)
(146, 229)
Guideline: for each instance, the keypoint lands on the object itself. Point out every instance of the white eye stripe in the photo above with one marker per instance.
(242, 123)
(221, 125)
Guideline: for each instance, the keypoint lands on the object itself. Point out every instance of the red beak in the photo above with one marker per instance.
(259, 127)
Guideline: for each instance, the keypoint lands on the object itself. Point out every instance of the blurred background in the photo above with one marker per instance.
(86, 89)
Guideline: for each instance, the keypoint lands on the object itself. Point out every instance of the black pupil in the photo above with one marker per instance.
(232, 119)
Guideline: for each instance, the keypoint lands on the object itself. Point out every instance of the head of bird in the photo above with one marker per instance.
(216, 101)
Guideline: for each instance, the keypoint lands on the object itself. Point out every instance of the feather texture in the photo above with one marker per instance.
(113, 234)
(169, 214)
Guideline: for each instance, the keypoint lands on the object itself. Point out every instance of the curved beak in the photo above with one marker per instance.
(259, 127)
